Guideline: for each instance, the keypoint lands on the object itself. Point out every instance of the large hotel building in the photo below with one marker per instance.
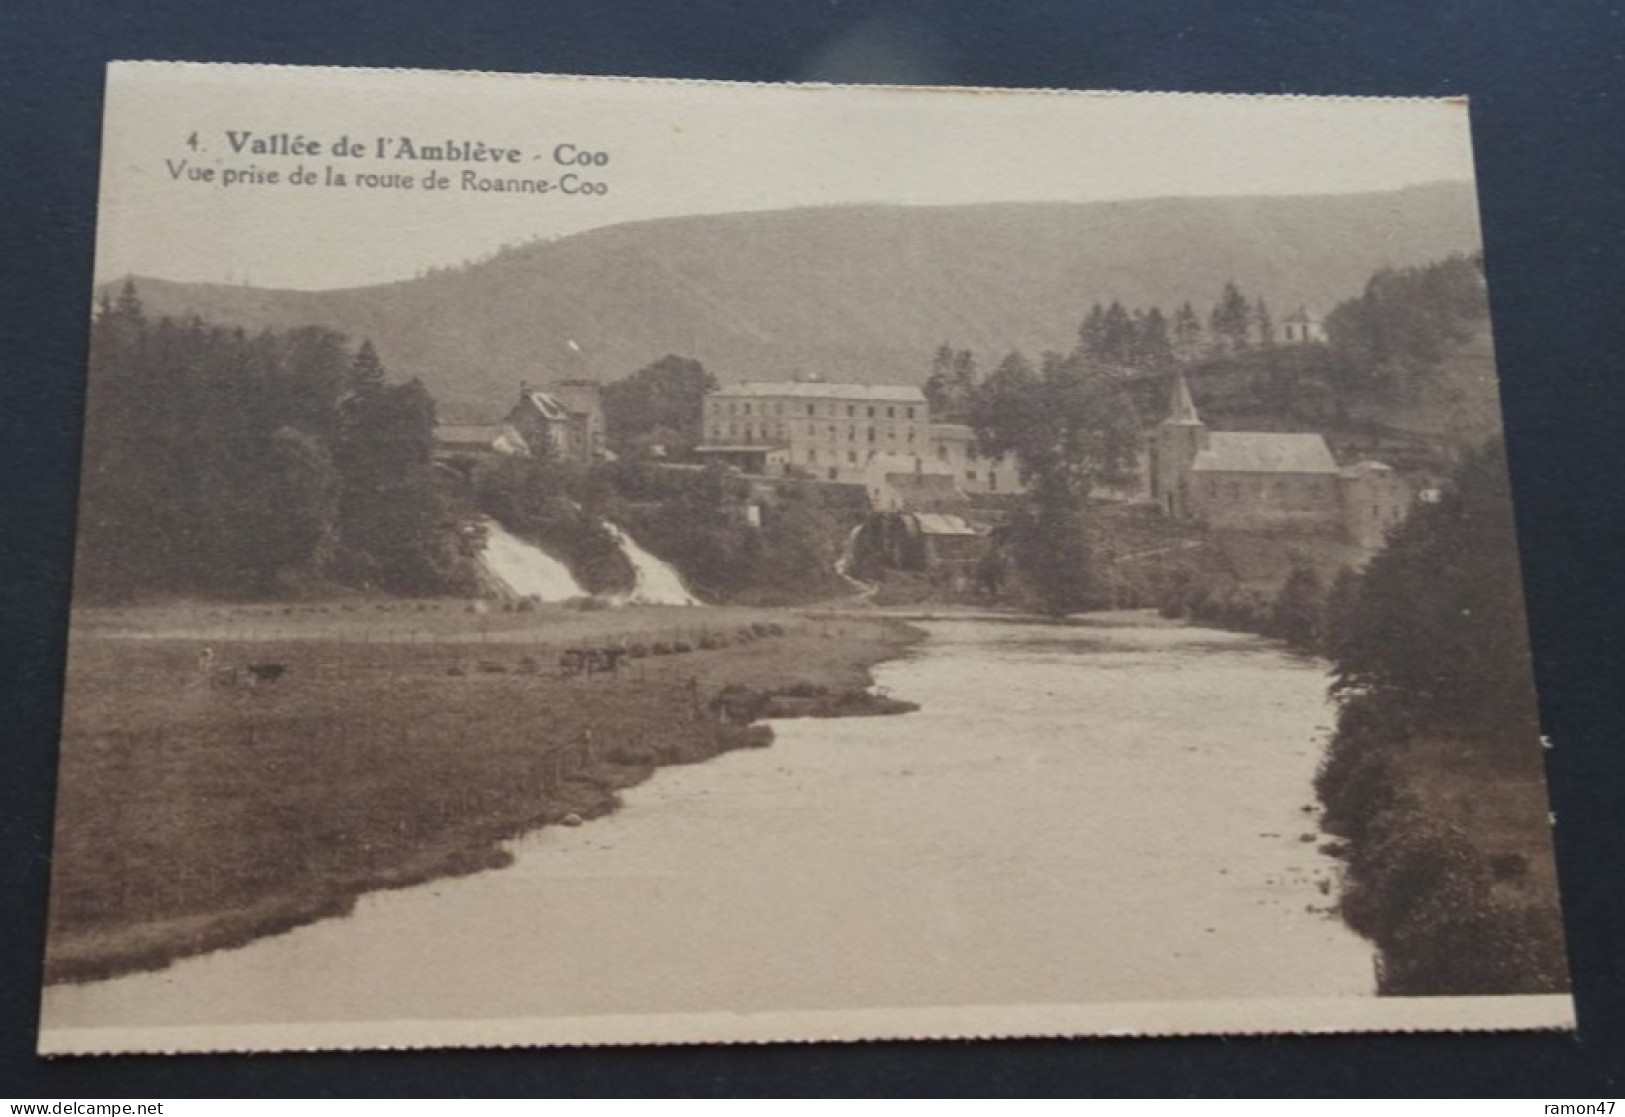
(833, 431)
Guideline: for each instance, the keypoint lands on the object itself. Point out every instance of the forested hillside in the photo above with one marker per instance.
(852, 292)
(226, 464)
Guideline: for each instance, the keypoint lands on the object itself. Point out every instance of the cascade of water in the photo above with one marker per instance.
(525, 569)
(849, 555)
(654, 581)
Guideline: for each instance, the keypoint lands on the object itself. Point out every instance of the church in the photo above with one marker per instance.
(1267, 481)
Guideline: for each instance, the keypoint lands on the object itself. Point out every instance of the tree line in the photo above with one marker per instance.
(1394, 334)
(219, 462)
(1432, 648)
(1073, 420)
(225, 464)
(1128, 340)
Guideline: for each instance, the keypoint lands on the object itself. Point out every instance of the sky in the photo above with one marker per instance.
(173, 132)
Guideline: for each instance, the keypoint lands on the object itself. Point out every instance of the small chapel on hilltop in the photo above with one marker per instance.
(1267, 481)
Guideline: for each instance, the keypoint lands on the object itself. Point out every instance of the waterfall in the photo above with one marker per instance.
(654, 582)
(525, 569)
(843, 565)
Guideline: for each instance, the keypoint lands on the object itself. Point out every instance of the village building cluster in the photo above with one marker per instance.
(877, 436)
(882, 438)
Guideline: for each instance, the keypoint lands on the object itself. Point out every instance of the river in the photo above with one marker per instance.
(1105, 813)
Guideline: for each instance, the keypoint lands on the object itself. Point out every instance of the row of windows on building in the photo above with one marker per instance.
(971, 475)
(831, 410)
(1316, 490)
(775, 433)
(851, 457)
(1281, 491)
(944, 451)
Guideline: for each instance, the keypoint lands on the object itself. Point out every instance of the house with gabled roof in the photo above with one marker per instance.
(568, 417)
(567, 420)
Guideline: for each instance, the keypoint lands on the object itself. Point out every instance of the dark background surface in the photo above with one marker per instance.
(1544, 80)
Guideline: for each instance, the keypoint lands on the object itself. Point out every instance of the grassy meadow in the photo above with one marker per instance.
(401, 742)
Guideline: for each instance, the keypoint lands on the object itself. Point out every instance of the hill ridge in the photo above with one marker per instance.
(860, 291)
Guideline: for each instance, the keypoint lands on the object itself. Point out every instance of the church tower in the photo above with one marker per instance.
(1173, 447)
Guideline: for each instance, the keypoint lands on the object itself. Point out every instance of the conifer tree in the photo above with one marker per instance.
(1155, 349)
(964, 381)
(1231, 319)
(1117, 335)
(1187, 333)
(938, 389)
(1263, 324)
(1092, 334)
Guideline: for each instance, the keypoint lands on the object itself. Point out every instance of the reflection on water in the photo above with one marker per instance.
(1077, 814)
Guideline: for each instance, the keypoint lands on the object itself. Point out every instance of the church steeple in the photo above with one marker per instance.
(1172, 450)
(1181, 408)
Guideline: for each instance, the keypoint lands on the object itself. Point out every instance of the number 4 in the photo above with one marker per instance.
(191, 141)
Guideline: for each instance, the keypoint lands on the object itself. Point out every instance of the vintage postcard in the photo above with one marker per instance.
(579, 560)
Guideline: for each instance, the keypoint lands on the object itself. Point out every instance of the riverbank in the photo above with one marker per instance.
(1052, 829)
(1449, 871)
(207, 801)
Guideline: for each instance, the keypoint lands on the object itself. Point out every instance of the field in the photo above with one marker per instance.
(203, 805)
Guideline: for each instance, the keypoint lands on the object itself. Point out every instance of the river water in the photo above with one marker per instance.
(1104, 812)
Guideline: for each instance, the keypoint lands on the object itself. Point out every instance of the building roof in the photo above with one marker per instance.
(468, 434)
(579, 397)
(549, 407)
(941, 523)
(957, 431)
(1243, 452)
(868, 393)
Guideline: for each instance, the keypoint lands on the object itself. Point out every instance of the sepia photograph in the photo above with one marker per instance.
(576, 561)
